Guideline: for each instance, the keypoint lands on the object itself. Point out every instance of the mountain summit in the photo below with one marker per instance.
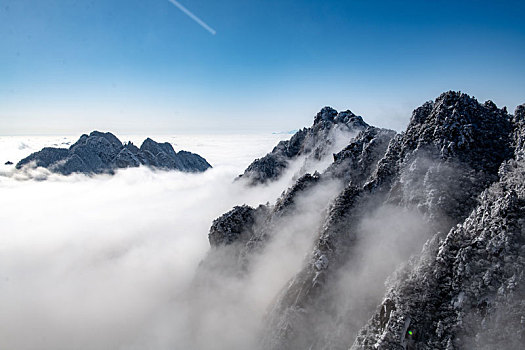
(101, 152)
(312, 144)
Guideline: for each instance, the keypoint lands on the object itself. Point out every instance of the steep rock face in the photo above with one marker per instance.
(103, 153)
(251, 236)
(313, 143)
(250, 229)
(236, 226)
(458, 162)
(466, 289)
(357, 161)
(469, 141)
(519, 139)
(276, 216)
(438, 166)
(286, 202)
(244, 230)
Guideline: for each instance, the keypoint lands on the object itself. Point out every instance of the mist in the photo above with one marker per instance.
(116, 261)
(108, 262)
(86, 262)
(227, 308)
(387, 237)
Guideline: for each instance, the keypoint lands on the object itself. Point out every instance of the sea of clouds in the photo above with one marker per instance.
(112, 261)
(91, 262)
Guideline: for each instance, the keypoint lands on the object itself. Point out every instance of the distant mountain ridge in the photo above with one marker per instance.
(101, 152)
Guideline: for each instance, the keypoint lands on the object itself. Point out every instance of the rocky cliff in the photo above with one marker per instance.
(104, 153)
(466, 289)
(310, 144)
(436, 212)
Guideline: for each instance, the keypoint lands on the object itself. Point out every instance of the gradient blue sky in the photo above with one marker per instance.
(145, 67)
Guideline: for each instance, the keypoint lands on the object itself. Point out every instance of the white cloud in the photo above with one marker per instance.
(87, 262)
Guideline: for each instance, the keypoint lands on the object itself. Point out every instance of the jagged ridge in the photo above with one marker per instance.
(466, 290)
(438, 166)
(443, 166)
(103, 153)
(313, 142)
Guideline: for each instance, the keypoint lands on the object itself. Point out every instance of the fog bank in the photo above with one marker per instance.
(89, 262)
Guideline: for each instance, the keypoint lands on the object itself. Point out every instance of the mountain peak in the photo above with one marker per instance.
(325, 114)
(103, 152)
(457, 121)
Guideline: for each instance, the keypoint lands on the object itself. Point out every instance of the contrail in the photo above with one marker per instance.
(192, 16)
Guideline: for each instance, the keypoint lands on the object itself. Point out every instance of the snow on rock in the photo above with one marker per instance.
(460, 166)
(104, 153)
(314, 143)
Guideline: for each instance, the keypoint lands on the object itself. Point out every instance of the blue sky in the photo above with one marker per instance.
(144, 66)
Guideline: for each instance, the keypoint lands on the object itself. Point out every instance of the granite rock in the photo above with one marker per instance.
(104, 153)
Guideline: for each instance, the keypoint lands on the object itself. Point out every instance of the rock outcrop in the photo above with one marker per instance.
(236, 226)
(449, 154)
(104, 153)
(466, 289)
(313, 143)
(459, 168)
